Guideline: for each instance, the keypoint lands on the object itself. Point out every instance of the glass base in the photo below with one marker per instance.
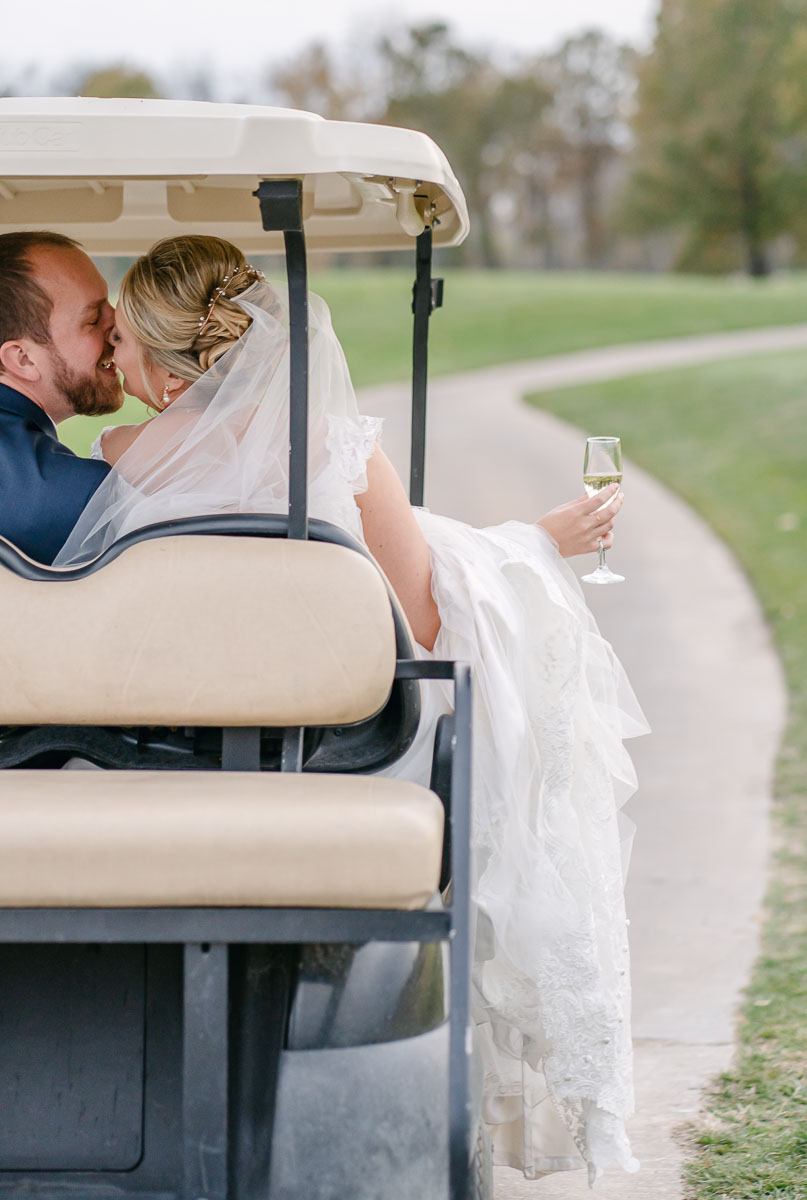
(603, 575)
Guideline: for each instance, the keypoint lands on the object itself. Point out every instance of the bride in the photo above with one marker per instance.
(202, 339)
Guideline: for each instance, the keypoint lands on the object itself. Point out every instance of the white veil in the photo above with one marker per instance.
(223, 445)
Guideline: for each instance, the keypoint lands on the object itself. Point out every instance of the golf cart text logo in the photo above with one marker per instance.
(28, 136)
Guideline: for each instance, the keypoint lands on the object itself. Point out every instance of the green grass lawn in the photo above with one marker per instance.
(492, 317)
(730, 438)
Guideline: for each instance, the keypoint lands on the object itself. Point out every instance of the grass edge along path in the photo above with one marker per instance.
(729, 438)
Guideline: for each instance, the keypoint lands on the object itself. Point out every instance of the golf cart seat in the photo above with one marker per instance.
(233, 631)
(159, 838)
(83, 722)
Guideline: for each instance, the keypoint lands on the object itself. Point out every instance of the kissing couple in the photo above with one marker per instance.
(202, 340)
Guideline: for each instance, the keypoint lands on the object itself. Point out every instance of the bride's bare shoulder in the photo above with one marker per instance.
(117, 440)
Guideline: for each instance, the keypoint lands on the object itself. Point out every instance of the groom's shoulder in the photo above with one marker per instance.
(28, 443)
(57, 461)
(43, 485)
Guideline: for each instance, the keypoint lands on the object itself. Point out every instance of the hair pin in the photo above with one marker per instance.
(220, 292)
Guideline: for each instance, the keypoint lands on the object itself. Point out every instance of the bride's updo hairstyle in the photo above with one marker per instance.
(178, 302)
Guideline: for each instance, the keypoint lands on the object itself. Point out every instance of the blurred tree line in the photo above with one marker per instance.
(692, 155)
(721, 133)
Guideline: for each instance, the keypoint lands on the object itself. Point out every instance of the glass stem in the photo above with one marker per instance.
(601, 553)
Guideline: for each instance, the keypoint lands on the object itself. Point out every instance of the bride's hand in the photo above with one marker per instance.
(578, 525)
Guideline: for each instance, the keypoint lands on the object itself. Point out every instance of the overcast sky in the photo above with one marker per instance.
(239, 36)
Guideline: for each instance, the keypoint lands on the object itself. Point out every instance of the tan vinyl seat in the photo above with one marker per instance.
(187, 630)
(202, 838)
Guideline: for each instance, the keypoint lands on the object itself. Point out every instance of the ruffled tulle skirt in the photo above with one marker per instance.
(552, 705)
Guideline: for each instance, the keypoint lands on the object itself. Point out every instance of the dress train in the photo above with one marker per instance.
(551, 983)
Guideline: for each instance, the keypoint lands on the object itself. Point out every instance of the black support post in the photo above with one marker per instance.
(204, 1072)
(298, 369)
(459, 1029)
(427, 294)
(241, 748)
(291, 754)
(459, 1058)
(281, 202)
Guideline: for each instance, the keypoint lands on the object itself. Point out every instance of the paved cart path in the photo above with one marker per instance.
(689, 630)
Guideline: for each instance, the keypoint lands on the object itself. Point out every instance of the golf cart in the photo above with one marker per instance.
(227, 969)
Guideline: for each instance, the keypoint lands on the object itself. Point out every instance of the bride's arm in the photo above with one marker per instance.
(396, 542)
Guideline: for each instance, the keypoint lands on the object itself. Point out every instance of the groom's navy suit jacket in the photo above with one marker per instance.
(43, 485)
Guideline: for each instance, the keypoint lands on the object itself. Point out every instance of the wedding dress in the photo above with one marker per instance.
(551, 992)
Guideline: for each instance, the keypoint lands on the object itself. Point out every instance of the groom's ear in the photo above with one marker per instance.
(16, 362)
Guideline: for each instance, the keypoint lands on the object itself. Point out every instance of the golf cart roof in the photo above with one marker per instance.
(119, 174)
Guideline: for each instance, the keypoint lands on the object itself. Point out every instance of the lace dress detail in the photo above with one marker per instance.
(350, 443)
(97, 451)
(551, 990)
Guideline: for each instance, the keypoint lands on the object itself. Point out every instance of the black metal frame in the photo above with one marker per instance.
(427, 294)
(281, 203)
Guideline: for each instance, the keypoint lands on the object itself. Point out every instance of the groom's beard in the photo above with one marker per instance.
(88, 395)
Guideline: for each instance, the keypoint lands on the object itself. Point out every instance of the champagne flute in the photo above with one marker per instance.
(602, 466)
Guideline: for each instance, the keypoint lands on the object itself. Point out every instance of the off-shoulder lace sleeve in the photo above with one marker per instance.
(350, 442)
(97, 449)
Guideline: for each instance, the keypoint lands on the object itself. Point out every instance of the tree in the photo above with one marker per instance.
(314, 81)
(477, 114)
(520, 134)
(592, 82)
(518, 156)
(435, 85)
(116, 80)
(721, 147)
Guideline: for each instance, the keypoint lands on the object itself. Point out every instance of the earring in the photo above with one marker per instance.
(166, 397)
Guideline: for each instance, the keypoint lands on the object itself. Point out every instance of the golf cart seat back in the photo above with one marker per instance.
(227, 631)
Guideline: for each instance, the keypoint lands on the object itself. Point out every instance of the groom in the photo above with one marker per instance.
(55, 362)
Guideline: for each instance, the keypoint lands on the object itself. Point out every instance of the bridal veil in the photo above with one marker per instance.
(223, 444)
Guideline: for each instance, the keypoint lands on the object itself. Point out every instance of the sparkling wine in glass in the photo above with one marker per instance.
(602, 466)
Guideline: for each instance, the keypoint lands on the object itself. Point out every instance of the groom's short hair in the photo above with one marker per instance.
(25, 306)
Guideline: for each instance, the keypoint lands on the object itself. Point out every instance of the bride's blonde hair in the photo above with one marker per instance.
(178, 302)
